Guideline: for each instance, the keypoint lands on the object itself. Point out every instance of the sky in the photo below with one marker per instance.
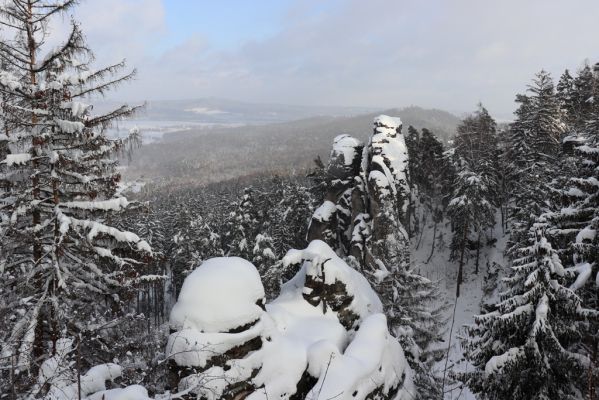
(447, 54)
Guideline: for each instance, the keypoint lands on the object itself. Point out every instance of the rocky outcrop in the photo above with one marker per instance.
(325, 335)
(367, 198)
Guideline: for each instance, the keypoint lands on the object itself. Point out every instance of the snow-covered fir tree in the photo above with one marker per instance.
(433, 177)
(476, 143)
(65, 271)
(582, 101)
(242, 226)
(572, 226)
(532, 158)
(527, 347)
(565, 96)
(472, 205)
(471, 214)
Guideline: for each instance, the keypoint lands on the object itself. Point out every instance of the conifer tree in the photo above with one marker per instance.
(535, 142)
(471, 208)
(573, 223)
(412, 140)
(71, 267)
(470, 213)
(526, 347)
(476, 142)
(565, 96)
(583, 96)
(242, 227)
(435, 174)
(545, 118)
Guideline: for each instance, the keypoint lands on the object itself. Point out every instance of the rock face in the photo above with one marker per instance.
(325, 335)
(216, 318)
(367, 199)
(332, 221)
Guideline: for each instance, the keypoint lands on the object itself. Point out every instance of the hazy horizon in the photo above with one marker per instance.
(448, 55)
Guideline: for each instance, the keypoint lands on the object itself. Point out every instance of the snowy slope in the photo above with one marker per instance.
(440, 269)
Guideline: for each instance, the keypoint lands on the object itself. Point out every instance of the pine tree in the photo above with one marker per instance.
(475, 193)
(64, 269)
(264, 256)
(525, 348)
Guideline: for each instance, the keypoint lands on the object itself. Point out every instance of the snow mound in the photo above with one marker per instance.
(323, 268)
(133, 392)
(372, 360)
(323, 337)
(58, 375)
(222, 294)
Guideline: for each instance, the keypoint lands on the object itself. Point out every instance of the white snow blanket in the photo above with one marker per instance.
(298, 338)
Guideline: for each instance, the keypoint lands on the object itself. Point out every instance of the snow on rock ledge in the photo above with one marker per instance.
(324, 335)
(330, 284)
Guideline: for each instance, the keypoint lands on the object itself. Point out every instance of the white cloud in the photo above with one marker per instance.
(438, 53)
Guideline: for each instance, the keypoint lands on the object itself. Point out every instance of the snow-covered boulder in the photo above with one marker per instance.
(217, 316)
(224, 293)
(325, 334)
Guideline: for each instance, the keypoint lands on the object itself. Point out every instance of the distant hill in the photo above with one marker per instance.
(202, 156)
(226, 112)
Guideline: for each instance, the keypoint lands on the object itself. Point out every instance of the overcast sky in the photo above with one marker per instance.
(447, 54)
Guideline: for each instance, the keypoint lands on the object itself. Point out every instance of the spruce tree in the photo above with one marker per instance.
(242, 226)
(583, 96)
(476, 142)
(565, 96)
(435, 174)
(535, 138)
(572, 224)
(545, 117)
(526, 347)
(470, 213)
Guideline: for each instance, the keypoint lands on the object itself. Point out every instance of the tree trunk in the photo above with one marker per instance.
(461, 267)
(477, 253)
(31, 46)
(79, 368)
(422, 225)
(433, 245)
